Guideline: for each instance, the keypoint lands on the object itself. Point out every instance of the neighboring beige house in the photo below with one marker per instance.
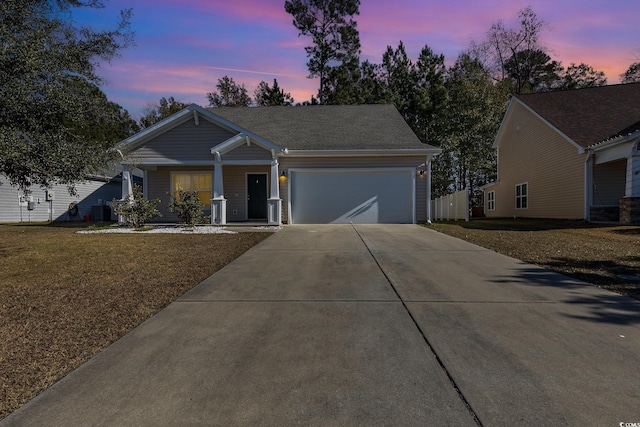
(569, 154)
(313, 164)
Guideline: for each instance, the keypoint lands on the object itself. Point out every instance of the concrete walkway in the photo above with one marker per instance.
(366, 325)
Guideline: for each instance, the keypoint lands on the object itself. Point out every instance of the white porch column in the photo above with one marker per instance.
(218, 202)
(218, 183)
(429, 190)
(275, 185)
(632, 188)
(274, 204)
(127, 187)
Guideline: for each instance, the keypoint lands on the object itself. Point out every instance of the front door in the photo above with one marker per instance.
(257, 196)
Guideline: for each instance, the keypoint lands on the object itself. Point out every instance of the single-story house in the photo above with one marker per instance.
(569, 154)
(305, 164)
(93, 197)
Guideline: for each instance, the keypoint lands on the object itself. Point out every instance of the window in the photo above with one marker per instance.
(200, 182)
(491, 201)
(522, 196)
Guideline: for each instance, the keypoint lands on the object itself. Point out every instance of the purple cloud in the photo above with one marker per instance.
(184, 47)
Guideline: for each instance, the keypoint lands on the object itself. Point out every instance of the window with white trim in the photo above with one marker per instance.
(522, 196)
(491, 201)
(200, 182)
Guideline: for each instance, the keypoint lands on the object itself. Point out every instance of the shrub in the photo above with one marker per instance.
(188, 207)
(135, 209)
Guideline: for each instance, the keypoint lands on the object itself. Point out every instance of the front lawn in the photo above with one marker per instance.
(604, 255)
(66, 296)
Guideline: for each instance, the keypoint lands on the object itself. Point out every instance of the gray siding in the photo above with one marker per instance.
(235, 188)
(244, 152)
(89, 194)
(186, 142)
(158, 186)
(609, 180)
(158, 183)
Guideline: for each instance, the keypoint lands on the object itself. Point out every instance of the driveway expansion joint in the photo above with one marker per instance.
(492, 302)
(461, 395)
(323, 301)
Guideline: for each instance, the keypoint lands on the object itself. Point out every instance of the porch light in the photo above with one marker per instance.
(283, 174)
(421, 172)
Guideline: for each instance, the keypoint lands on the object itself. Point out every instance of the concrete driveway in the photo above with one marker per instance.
(366, 325)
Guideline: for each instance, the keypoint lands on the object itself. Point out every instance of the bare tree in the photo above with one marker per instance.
(509, 53)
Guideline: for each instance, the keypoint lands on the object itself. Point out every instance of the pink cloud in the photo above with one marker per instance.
(185, 46)
(135, 84)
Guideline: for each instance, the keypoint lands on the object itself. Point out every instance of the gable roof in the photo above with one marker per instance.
(590, 115)
(191, 112)
(327, 127)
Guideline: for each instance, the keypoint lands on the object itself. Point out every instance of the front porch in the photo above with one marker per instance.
(235, 194)
(612, 174)
(259, 197)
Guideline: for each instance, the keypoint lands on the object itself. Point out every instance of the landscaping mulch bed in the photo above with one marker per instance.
(66, 296)
(607, 256)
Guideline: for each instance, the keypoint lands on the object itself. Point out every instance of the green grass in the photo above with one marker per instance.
(66, 296)
(603, 255)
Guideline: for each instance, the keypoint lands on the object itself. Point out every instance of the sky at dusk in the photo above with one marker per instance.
(182, 47)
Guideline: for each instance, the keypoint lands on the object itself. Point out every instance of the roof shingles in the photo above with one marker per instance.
(327, 127)
(591, 115)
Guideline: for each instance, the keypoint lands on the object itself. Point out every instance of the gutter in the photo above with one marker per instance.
(602, 145)
(334, 153)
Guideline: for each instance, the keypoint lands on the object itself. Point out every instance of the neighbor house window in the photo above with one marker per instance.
(522, 196)
(491, 201)
(200, 182)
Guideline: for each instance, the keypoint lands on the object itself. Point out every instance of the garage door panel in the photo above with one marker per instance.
(358, 196)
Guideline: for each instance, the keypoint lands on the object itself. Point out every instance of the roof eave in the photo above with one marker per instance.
(603, 145)
(378, 152)
(240, 139)
(170, 122)
(502, 123)
(139, 138)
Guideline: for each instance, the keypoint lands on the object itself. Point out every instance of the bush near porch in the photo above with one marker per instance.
(607, 256)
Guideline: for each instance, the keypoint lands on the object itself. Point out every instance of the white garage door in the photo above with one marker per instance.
(339, 196)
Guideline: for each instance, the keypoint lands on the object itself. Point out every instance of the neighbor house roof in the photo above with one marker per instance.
(327, 127)
(591, 115)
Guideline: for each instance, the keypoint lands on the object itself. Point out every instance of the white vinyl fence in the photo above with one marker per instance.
(451, 207)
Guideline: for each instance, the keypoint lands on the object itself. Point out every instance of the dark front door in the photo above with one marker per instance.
(257, 196)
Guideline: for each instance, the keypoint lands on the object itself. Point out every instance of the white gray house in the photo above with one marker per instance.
(312, 164)
(56, 204)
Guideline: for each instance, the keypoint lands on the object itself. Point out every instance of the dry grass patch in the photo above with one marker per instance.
(597, 254)
(65, 296)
